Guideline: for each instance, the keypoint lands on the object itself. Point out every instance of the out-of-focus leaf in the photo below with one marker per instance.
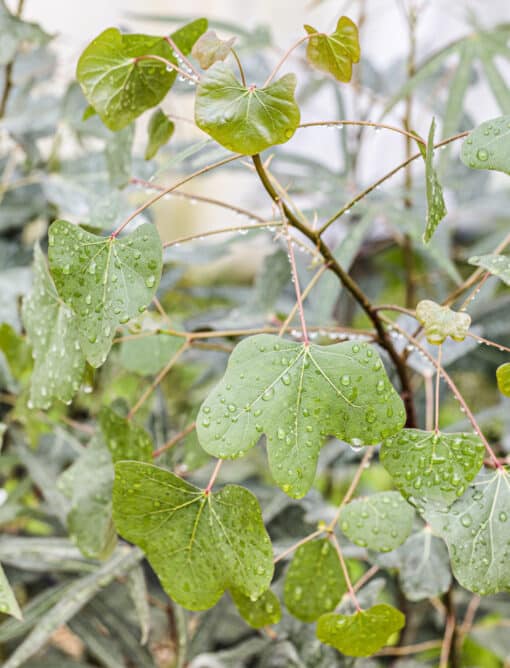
(43, 554)
(137, 587)
(147, 355)
(14, 32)
(497, 265)
(424, 571)
(8, 603)
(503, 378)
(118, 150)
(210, 49)
(160, 129)
(488, 146)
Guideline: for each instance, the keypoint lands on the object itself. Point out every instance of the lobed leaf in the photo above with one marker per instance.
(488, 146)
(335, 53)
(440, 322)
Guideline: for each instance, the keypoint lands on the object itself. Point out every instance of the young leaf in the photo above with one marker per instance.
(198, 544)
(149, 354)
(105, 280)
(503, 378)
(262, 612)
(379, 522)
(117, 151)
(436, 208)
(8, 603)
(497, 265)
(246, 120)
(476, 530)
(363, 633)
(314, 583)
(160, 130)
(54, 333)
(298, 395)
(125, 440)
(334, 53)
(425, 566)
(14, 32)
(432, 468)
(488, 146)
(439, 322)
(121, 87)
(210, 49)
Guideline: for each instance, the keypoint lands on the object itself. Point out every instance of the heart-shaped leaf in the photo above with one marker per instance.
(488, 146)
(503, 378)
(160, 129)
(298, 395)
(497, 265)
(119, 82)
(53, 331)
(244, 119)
(436, 208)
(379, 522)
(262, 612)
(199, 544)
(314, 583)
(210, 49)
(363, 633)
(432, 468)
(439, 322)
(477, 531)
(105, 280)
(337, 52)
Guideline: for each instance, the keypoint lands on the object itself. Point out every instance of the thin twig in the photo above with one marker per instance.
(290, 549)
(223, 230)
(174, 440)
(348, 582)
(354, 483)
(304, 295)
(371, 124)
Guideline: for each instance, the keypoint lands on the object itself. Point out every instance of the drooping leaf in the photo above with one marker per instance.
(334, 53)
(210, 49)
(14, 32)
(8, 603)
(363, 633)
(436, 208)
(198, 544)
(503, 378)
(53, 331)
(148, 354)
(488, 146)
(424, 571)
(432, 468)
(124, 439)
(262, 612)
(314, 583)
(298, 395)
(160, 129)
(379, 522)
(246, 120)
(118, 148)
(118, 85)
(105, 280)
(476, 530)
(439, 322)
(497, 265)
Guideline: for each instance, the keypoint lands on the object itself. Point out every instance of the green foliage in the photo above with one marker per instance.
(436, 208)
(503, 378)
(497, 265)
(488, 145)
(334, 53)
(440, 322)
(160, 129)
(244, 119)
(148, 354)
(8, 602)
(264, 611)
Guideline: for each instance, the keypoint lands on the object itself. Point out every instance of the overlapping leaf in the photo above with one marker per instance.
(244, 119)
(104, 280)
(440, 322)
(488, 146)
(160, 129)
(337, 52)
(148, 354)
(8, 603)
(497, 265)
(198, 544)
(210, 49)
(298, 395)
(436, 208)
(262, 612)
(124, 439)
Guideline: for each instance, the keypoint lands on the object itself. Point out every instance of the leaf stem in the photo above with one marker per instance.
(291, 549)
(304, 295)
(240, 66)
(487, 342)
(213, 477)
(174, 440)
(295, 280)
(367, 456)
(348, 582)
(179, 53)
(167, 63)
(223, 230)
(285, 56)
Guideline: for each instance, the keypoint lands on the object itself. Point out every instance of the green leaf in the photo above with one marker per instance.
(210, 49)
(119, 86)
(314, 583)
(117, 152)
(262, 612)
(476, 530)
(363, 633)
(105, 280)
(488, 146)
(424, 571)
(503, 378)
(54, 333)
(432, 468)
(436, 208)
(17, 352)
(497, 265)
(125, 440)
(246, 120)
(298, 395)
(379, 522)
(8, 603)
(198, 544)
(160, 130)
(334, 53)
(439, 322)
(148, 354)
(14, 32)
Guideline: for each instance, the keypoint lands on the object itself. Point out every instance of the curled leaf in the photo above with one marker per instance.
(210, 49)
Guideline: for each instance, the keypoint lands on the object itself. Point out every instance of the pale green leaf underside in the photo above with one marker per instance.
(262, 612)
(476, 529)
(124, 439)
(488, 146)
(198, 545)
(379, 522)
(503, 378)
(432, 468)
(440, 322)
(298, 396)
(246, 120)
(148, 354)
(314, 583)
(363, 633)
(8, 603)
(104, 280)
(53, 332)
(210, 49)
(337, 52)
(436, 208)
(160, 129)
(497, 265)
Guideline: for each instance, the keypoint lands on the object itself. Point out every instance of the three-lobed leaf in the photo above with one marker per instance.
(198, 544)
(436, 207)
(440, 322)
(497, 265)
(160, 130)
(244, 119)
(104, 280)
(488, 146)
(334, 53)
(298, 395)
